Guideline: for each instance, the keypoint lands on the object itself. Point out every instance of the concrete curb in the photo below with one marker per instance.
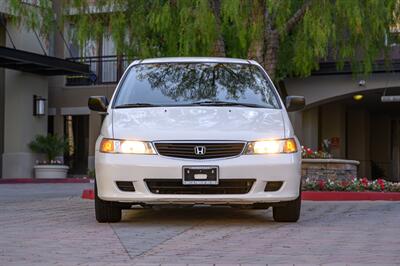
(320, 195)
(45, 181)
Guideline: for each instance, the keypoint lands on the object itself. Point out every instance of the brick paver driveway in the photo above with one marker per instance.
(50, 224)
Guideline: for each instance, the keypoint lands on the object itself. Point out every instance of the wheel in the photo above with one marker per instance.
(106, 211)
(289, 212)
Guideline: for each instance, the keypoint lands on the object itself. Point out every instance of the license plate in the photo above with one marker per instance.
(200, 175)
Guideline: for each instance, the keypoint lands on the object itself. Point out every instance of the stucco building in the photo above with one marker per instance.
(362, 128)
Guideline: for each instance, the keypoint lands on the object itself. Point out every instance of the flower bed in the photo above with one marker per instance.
(356, 184)
(307, 153)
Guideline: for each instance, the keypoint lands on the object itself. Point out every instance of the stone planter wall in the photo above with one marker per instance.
(333, 169)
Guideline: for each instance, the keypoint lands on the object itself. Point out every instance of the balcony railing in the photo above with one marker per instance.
(105, 70)
(109, 69)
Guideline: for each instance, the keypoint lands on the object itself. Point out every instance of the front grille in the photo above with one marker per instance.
(175, 186)
(210, 150)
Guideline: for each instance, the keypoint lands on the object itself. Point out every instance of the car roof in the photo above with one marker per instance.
(194, 60)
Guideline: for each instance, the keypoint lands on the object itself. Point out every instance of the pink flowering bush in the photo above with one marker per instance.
(308, 153)
(356, 184)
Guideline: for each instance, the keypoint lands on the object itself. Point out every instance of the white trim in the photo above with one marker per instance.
(84, 110)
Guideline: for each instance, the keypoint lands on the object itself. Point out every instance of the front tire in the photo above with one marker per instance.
(289, 213)
(106, 211)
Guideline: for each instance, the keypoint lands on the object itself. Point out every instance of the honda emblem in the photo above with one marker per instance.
(200, 150)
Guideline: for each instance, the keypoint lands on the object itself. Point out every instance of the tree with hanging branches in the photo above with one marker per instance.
(287, 37)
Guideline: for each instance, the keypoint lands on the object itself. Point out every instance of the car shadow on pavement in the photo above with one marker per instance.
(198, 214)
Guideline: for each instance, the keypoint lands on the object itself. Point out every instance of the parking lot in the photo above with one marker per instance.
(50, 224)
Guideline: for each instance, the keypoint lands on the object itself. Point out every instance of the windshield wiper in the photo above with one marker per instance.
(133, 105)
(224, 103)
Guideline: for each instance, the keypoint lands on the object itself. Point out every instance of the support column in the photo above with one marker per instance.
(396, 149)
(20, 126)
(381, 145)
(2, 90)
(310, 128)
(358, 147)
(333, 127)
(59, 124)
(297, 122)
(94, 131)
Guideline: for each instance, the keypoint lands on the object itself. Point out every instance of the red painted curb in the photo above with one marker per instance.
(348, 196)
(319, 195)
(88, 194)
(44, 181)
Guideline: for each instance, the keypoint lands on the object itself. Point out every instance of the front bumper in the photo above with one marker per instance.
(263, 168)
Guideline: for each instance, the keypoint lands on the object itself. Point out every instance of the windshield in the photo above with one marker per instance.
(186, 84)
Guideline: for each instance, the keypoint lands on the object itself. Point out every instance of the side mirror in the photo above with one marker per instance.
(98, 103)
(295, 103)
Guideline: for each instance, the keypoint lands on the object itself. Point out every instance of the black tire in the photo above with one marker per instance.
(289, 212)
(106, 211)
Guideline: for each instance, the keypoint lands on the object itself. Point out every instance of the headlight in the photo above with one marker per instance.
(272, 146)
(126, 146)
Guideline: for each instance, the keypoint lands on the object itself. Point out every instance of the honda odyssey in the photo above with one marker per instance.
(192, 131)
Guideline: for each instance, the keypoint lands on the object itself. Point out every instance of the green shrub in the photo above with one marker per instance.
(51, 145)
(91, 173)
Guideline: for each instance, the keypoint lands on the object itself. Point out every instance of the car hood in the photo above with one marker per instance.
(197, 123)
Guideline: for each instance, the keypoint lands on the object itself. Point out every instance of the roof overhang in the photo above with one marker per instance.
(39, 64)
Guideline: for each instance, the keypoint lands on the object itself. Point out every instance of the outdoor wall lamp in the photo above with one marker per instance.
(39, 105)
(358, 97)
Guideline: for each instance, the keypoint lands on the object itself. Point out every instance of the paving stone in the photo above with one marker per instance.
(269, 264)
(51, 225)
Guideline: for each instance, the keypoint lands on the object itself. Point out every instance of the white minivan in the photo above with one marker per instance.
(191, 131)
